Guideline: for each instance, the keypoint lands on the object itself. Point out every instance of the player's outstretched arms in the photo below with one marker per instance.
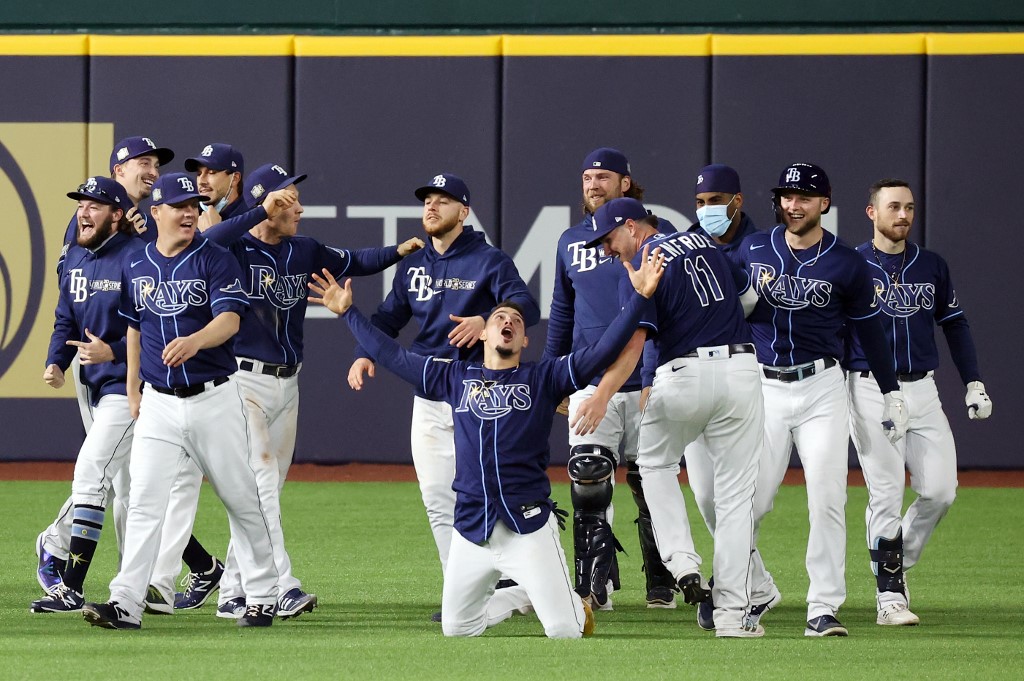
(411, 246)
(329, 293)
(217, 332)
(355, 372)
(96, 351)
(54, 376)
(652, 268)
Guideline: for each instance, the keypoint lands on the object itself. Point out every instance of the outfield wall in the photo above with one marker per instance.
(370, 118)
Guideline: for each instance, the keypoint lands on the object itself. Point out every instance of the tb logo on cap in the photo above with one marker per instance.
(207, 150)
(186, 184)
(700, 179)
(149, 142)
(438, 181)
(793, 175)
(280, 170)
(90, 184)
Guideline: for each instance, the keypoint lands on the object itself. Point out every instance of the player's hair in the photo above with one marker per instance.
(124, 225)
(512, 305)
(651, 220)
(884, 184)
(635, 191)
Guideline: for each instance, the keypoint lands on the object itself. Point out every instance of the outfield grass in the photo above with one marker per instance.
(365, 549)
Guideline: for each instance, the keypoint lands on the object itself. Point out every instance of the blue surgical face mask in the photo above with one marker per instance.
(715, 220)
(220, 204)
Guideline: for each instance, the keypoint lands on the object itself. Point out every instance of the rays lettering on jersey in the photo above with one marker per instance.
(283, 291)
(787, 291)
(490, 400)
(903, 300)
(167, 298)
(586, 259)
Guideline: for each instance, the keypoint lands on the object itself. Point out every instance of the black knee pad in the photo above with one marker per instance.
(591, 468)
(888, 559)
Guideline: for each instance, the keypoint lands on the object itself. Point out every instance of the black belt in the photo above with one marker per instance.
(797, 374)
(734, 349)
(191, 390)
(277, 370)
(905, 378)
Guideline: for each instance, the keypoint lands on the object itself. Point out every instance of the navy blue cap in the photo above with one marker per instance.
(719, 178)
(175, 188)
(217, 156)
(607, 159)
(102, 190)
(446, 183)
(804, 177)
(269, 177)
(614, 214)
(133, 147)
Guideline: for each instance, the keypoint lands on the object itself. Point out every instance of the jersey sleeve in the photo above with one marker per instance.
(424, 373)
(586, 363)
(224, 284)
(358, 263)
(858, 296)
(391, 316)
(560, 318)
(226, 232)
(506, 284)
(951, 318)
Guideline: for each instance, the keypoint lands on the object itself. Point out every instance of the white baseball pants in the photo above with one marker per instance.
(433, 456)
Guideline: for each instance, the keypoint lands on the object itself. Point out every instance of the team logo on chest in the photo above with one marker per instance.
(490, 400)
(283, 291)
(586, 259)
(903, 299)
(788, 291)
(168, 298)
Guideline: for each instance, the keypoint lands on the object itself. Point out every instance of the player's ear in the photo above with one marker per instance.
(825, 203)
(625, 183)
(739, 201)
(117, 215)
(464, 213)
(526, 341)
(152, 211)
(870, 210)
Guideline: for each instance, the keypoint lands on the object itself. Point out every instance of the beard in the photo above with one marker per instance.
(100, 234)
(439, 229)
(894, 233)
(505, 353)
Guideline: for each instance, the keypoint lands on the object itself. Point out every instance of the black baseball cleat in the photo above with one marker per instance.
(825, 625)
(436, 617)
(257, 615)
(661, 597)
(60, 598)
(110, 616)
(693, 591)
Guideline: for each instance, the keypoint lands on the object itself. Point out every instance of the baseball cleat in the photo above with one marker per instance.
(825, 625)
(588, 620)
(661, 597)
(199, 586)
(745, 630)
(436, 617)
(60, 599)
(231, 609)
(110, 616)
(156, 603)
(759, 610)
(257, 615)
(897, 615)
(706, 615)
(294, 603)
(694, 592)
(50, 570)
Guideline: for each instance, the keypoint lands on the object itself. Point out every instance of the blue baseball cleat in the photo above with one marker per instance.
(199, 586)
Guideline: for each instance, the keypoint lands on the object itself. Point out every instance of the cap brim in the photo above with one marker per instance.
(192, 165)
(423, 192)
(802, 190)
(78, 196)
(596, 241)
(182, 199)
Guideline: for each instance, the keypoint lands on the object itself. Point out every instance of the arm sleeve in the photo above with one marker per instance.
(508, 285)
(357, 263)
(877, 351)
(648, 364)
(560, 318)
(961, 348)
(408, 366)
(120, 350)
(585, 364)
(234, 228)
(65, 328)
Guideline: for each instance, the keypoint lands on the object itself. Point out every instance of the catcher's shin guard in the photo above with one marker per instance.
(591, 468)
(887, 563)
(655, 570)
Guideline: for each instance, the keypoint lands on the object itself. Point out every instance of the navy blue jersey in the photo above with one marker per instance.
(802, 306)
(585, 280)
(166, 298)
(90, 294)
(697, 302)
(731, 249)
(274, 277)
(469, 279)
(921, 296)
(502, 420)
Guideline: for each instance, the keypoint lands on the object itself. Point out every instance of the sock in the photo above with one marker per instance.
(196, 557)
(86, 526)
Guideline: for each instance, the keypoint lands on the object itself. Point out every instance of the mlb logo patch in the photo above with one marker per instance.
(597, 164)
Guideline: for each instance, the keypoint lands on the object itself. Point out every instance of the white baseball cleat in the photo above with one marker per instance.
(745, 630)
(897, 615)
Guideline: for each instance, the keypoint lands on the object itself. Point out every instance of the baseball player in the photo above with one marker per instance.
(447, 287)
(87, 322)
(584, 280)
(276, 263)
(182, 299)
(134, 164)
(914, 292)
(720, 217)
(219, 168)
(502, 409)
(809, 284)
(705, 383)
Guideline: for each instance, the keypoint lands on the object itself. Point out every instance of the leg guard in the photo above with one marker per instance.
(657, 574)
(887, 562)
(591, 468)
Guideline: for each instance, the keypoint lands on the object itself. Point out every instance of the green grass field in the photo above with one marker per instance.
(365, 549)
